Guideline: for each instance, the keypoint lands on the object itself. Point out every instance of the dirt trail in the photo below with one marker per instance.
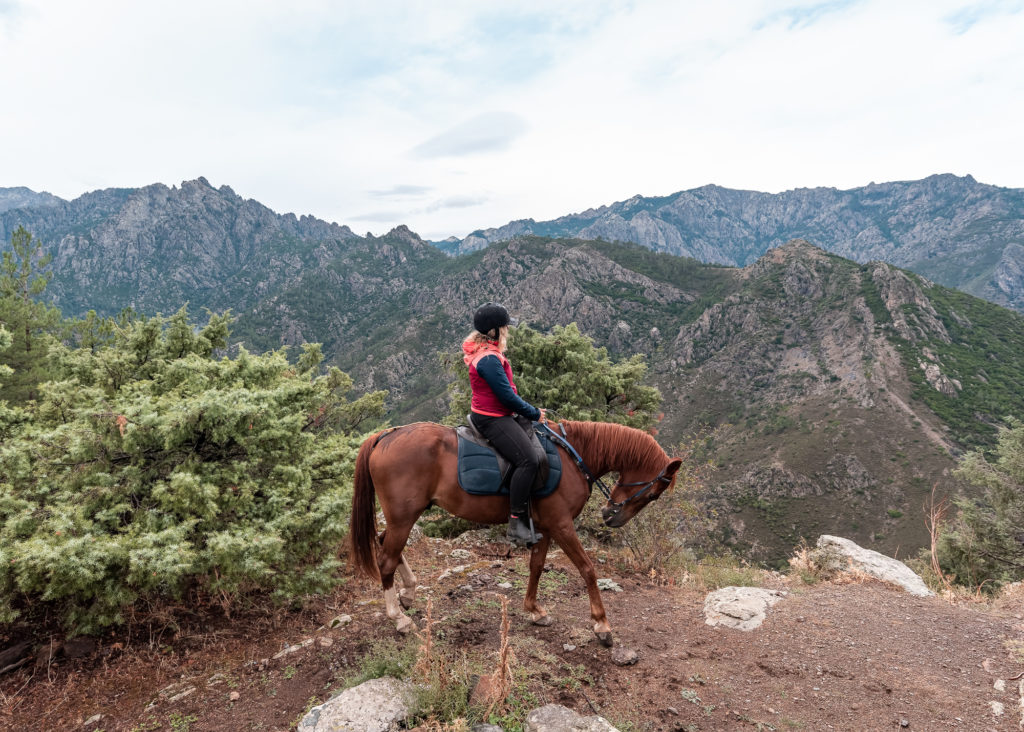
(829, 656)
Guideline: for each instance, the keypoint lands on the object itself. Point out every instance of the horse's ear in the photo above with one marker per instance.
(673, 466)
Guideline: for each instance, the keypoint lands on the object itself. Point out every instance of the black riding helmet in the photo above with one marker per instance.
(489, 318)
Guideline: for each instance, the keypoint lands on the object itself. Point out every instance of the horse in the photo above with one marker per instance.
(413, 467)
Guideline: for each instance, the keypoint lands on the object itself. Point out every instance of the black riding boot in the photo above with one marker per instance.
(520, 530)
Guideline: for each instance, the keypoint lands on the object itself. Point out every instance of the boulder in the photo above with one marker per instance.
(743, 608)
(555, 718)
(837, 553)
(377, 705)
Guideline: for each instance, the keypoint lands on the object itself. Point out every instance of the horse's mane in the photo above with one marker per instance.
(610, 443)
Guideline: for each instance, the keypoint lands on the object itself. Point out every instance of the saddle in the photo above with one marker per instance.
(484, 472)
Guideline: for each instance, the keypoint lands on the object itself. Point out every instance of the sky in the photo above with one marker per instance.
(465, 114)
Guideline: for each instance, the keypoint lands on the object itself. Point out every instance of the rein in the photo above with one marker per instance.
(563, 441)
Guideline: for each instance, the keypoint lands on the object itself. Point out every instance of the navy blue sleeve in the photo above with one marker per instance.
(491, 371)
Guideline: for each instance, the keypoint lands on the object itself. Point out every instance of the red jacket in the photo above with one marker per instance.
(493, 397)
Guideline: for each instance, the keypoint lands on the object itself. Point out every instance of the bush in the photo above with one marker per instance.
(984, 545)
(153, 470)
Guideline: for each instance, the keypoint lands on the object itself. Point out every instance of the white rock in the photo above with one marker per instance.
(743, 608)
(374, 706)
(340, 621)
(293, 649)
(555, 718)
(877, 565)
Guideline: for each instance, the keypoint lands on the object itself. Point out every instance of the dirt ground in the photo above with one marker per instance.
(853, 656)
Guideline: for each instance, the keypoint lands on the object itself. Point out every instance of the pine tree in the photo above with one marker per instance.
(23, 277)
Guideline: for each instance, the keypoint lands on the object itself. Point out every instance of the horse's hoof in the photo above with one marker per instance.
(543, 621)
(404, 625)
(605, 639)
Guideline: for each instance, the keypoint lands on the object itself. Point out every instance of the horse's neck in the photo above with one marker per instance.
(604, 447)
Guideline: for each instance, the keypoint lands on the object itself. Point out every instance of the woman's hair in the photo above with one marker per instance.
(480, 339)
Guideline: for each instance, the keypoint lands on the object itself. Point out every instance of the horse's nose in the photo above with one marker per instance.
(608, 512)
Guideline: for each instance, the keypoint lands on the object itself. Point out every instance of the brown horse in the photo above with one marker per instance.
(413, 467)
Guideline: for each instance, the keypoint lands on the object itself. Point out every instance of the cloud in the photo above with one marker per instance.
(804, 16)
(386, 217)
(489, 132)
(968, 16)
(400, 191)
(456, 202)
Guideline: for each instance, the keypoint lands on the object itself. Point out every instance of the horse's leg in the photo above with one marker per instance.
(539, 552)
(407, 580)
(388, 560)
(573, 549)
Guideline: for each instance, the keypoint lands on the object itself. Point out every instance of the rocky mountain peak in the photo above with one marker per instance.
(404, 233)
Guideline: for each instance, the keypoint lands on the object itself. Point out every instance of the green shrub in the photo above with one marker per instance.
(153, 470)
(984, 545)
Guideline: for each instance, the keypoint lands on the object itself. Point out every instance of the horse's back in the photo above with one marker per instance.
(421, 450)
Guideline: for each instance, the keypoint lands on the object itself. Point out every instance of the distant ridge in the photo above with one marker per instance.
(954, 230)
(22, 197)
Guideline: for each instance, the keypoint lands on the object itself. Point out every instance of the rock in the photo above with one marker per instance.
(834, 551)
(486, 728)
(234, 696)
(374, 706)
(94, 719)
(743, 608)
(487, 691)
(461, 554)
(555, 718)
(608, 584)
(459, 569)
(182, 694)
(293, 649)
(78, 647)
(340, 621)
(624, 656)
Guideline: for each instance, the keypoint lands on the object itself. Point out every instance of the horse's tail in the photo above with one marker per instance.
(363, 522)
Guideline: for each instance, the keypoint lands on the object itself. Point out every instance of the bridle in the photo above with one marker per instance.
(660, 478)
(563, 442)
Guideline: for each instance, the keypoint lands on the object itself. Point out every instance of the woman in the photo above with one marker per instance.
(494, 404)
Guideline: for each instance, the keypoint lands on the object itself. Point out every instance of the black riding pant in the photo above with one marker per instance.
(510, 439)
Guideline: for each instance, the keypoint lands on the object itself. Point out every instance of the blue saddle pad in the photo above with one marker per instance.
(479, 473)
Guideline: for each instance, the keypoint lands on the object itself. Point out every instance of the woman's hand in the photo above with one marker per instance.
(543, 416)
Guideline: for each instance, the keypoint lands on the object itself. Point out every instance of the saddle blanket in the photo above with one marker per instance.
(480, 475)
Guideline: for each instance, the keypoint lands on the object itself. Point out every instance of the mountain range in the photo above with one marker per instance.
(836, 393)
(951, 229)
